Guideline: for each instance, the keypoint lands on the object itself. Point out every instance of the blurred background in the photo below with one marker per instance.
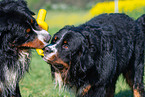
(38, 82)
(70, 12)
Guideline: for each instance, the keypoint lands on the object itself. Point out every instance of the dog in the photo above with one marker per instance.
(90, 57)
(19, 32)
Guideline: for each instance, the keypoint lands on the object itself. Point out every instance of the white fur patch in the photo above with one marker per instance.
(53, 48)
(10, 81)
(11, 78)
(13, 75)
(41, 35)
(58, 80)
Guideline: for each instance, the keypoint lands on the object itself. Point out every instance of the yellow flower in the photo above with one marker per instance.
(124, 6)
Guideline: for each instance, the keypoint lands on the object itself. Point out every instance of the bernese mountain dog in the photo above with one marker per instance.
(90, 57)
(19, 32)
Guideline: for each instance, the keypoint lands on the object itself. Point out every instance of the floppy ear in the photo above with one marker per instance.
(88, 51)
(90, 47)
(85, 60)
(93, 36)
(81, 62)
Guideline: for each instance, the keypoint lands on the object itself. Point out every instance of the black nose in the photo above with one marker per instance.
(47, 38)
(47, 50)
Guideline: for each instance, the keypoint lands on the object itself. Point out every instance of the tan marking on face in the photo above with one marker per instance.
(58, 80)
(31, 21)
(65, 42)
(61, 77)
(86, 89)
(63, 72)
(136, 93)
(55, 60)
(52, 58)
(28, 30)
(55, 37)
(66, 47)
(36, 43)
(59, 61)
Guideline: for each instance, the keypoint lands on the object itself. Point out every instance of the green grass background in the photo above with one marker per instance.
(38, 82)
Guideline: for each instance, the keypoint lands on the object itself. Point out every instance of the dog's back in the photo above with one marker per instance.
(117, 31)
(126, 38)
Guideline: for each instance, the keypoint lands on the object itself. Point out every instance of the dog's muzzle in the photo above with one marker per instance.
(50, 53)
(43, 36)
(47, 50)
(47, 38)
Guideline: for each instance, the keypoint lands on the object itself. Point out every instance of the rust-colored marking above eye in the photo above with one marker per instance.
(65, 42)
(55, 37)
(31, 21)
(28, 30)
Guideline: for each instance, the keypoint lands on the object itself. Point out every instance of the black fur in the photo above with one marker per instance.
(17, 36)
(90, 57)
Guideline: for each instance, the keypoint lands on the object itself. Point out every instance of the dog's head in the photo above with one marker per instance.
(71, 52)
(18, 28)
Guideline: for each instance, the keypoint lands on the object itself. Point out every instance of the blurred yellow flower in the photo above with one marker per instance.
(124, 6)
(65, 18)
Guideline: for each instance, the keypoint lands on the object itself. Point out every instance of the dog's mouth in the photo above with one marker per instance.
(59, 66)
(57, 63)
(40, 40)
(35, 44)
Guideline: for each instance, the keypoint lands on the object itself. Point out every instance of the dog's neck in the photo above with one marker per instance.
(14, 72)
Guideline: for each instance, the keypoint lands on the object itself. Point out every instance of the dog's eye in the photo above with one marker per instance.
(65, 46)
(55, 39)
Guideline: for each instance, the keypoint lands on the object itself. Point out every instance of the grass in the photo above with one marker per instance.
(38, 82)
